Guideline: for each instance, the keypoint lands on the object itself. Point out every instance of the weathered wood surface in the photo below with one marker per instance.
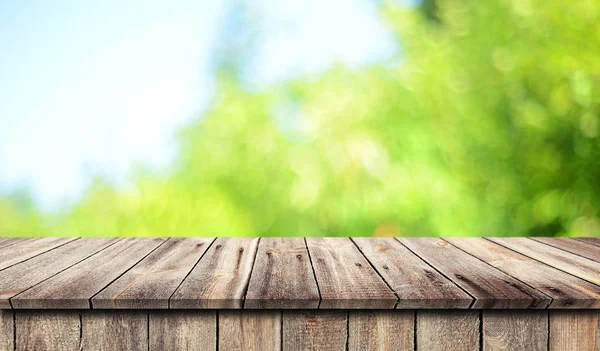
(416, 283)
(114, 330)
(182, 330)
(490, 287)
(447, 330)
(575, 330)
(221, 277)
(251, 330)
(47, 330)
(73, 288)
(315, 330)
(151, 282)
(345, 278)
(7, 331)
(515, 330)
(282, 276)
(298, 273)
(381, 330)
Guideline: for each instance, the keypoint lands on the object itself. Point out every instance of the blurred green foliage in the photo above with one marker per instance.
(487, 124)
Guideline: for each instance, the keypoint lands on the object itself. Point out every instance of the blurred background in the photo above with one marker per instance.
(300, 118)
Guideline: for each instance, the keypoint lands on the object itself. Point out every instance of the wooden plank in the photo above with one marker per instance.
(221, 277)
(9, 241)
(573, 246)
(381, 330)
(47, 330)
(22, 276)
(345, 278)
(490, 287)
(574, 330)
(414, 281)
(25, 249)
(515, 330)
(282, 276)
(114, 330)
(183, 330)
(447, 330)
(566, 261)
(151, 282)
(249, 330)
(567, 291)
(315, 330)
(6, 330)
(74, 287)
(592, 241)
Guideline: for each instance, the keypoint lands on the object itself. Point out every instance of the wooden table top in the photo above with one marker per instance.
(299, 273)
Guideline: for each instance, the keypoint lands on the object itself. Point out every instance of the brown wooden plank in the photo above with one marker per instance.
(151, 282)
(573, 246)
(114, 330)
(282, 276)
(25, 249)
(574, 330)
(566, 261)
(567, 291)
(6, 330)
(315, 330)
(183, 330)
(592, 241)
(221, 277)
(249, 330)
(345, 278)
(9, 241)
(47, 330)
(490, 287)
(414, 281)
(74, 287)
(22, 276)
(515, 330)
(447, 330)
(381, 330)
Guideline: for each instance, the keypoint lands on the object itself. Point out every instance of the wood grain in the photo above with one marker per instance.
(250, 330)
(282, 276)
(9, 241)
(315, 330)
(574, 330)
(573, 246)
(47, 330)
(151, 282)
(22, 276)
(221, 277)
(566, 290)
(447, 330)
(345, 278)
(74, 287)
(25, 249)
(515, 330)
(114, 330)
(490, 287)
(183, 330)
(414, 281)
(381, 330)
(566, 261)
(592, 241)
(6, 330)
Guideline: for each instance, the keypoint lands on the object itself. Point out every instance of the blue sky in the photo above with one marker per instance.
(90, 87)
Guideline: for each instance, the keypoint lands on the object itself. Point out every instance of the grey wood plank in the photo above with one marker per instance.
(47, 330)
(447, 330)
(414, 281)
(22, 276)
(150, 283)
(381, 330)
(74, 287)
(282, 276)
(183, 330)
(574, 330)
(221, 277)
(6, 330)
(490, 287)
(109, 330)
(345, 278)
(592, 241)
(566, 261)
(566, 290)
(573, 246)
(25, 249)
(315, 330)
(249, 330)
(9, 241)
(515, 330)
